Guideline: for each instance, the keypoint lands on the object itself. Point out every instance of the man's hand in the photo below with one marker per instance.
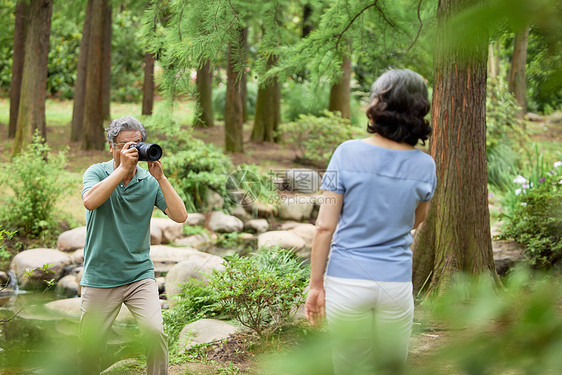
(315, 306)
(129, 157)
(156, 170)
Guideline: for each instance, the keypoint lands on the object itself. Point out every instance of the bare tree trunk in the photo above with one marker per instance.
(148, 84)
(340, 92)
(268, 108)
(93, 137)
(456, 235)
(517, 78)
(106, 64)
(31, 111)
(233, 120)
(80, 85)
(204, 115)
(244, 75)
(492, 61)
(18, 57)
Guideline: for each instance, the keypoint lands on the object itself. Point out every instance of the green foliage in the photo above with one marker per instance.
(219, 100)
(190, 230)
(34, 176)
(195, 170)
(247, 184)
(533, 214)
(503, 128)
(263, 291)
(314, 139)
(4, 235)
(304, 99)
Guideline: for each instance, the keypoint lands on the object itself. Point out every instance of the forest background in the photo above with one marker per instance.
(292, 77)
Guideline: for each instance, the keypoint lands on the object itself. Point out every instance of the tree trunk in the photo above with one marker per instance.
(148, 84)
(93, 137)
(268, 108)
(31, 111)
(18, 57)
(340, 92)
(517, 79)
(233, 121)
(493, 63)
(244, 75)
(80, 85)
(204, 81)
(456, 235)
(106, 63)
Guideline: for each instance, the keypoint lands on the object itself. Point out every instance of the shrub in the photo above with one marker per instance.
(247, 184)
(533, 216)
(34, 176)
(314, 139)
(197, 169)
(261, 292)
(304, 99)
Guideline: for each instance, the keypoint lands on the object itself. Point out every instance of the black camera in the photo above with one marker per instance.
(148, 151)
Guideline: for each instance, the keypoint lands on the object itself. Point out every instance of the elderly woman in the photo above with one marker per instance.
(376, 191)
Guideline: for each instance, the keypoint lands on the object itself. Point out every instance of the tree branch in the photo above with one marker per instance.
(420, 28)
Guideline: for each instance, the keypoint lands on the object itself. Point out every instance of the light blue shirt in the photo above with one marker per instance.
(381, 189)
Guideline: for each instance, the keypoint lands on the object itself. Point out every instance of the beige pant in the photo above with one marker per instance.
(100, 307)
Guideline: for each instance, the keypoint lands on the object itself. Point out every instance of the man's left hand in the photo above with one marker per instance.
(156, 170)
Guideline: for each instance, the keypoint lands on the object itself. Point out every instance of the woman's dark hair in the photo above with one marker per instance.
(399, 105)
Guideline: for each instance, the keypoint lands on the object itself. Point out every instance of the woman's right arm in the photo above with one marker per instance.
(421, 213)
(326, 224)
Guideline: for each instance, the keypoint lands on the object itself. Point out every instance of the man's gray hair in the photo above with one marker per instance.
(124, 123)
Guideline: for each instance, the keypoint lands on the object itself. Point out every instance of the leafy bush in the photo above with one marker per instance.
(195, 170)
(4, 235)
(247, 184)
(304, 99)
(533, 215)
(34, 176)
(314, 139)
(263, 291)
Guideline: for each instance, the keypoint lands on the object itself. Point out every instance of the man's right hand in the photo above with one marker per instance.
(129, 157)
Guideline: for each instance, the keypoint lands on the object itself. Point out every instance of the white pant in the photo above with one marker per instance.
(370, 324)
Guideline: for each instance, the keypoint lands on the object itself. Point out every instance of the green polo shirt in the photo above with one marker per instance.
(117, 249)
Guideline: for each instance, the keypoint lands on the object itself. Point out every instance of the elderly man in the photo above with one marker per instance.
(119, 197)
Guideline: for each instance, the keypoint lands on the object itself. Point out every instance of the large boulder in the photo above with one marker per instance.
(303, 180)
(204, 331)
(214, 201)
(77, 257)
(165, 257)
(256, 225)
(240, 213)
(263, 210)
(297, 207)
(67, 287)
(31, 261)
(169, 228)
(196, 241)
(195, 219)
(222, 223)
(72, 239)
(306, 232)
(282, 238)
(198, 266)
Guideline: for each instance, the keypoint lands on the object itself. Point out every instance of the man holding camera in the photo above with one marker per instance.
(119, 197)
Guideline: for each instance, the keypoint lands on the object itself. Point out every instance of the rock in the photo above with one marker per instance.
(77, 257)
(288, 225)
(170, 229)
(67, 287)
(155, 235)
(533, 117)
(240, 213)
(4, 279)
(214, 200)
(34, 259)
(285, 239)
(195, 219)
(222, 223)
(303, 180)
(70, 307)
(161, 282)
(297, 208)
(555, 118)
(306, 232)
(204, 331)
(198, 266)
(72, 239)
(256, 225)
(195, 241)
(170, 254)
(506, 255)
(262, 210)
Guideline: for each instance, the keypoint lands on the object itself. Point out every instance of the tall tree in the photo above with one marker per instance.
(18, 57)
(233, 116)
(148, 84)
(106, 62)
(93, 137)
(517, 79)
(204, 82)
(456, 235)
(243, 74)
(340, 92)
(268, 107)
(31, 111)
(80, 84)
